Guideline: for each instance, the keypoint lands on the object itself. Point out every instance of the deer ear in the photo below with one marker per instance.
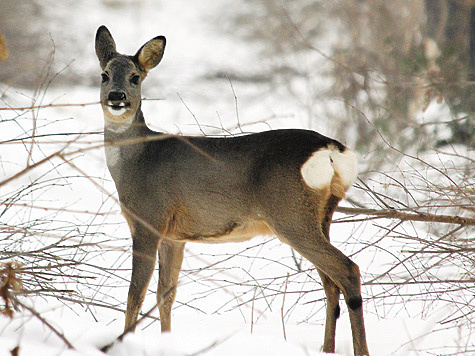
(151, 53)
(105, 46)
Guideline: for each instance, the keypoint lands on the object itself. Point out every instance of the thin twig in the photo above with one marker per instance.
(44, 321)
(212, 346)
(130, 329)
(192, 114)
(252, 309)
(282, 316)
(236, 105)
(51, 105)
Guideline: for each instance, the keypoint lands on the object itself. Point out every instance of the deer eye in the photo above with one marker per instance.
(105, 77)
(135, 79)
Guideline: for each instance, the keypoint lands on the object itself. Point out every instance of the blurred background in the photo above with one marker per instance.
(341, 64)
(393, 79)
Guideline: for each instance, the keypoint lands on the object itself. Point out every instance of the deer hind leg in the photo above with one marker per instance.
(307, 238)
(332, 291)
(144, 248)
(341, 274)
(170, 257)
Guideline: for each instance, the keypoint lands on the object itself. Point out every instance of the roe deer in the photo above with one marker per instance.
(175, 189)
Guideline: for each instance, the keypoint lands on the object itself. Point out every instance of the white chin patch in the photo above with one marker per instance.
(116, 111)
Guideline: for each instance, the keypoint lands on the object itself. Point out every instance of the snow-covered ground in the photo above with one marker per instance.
(237, 307)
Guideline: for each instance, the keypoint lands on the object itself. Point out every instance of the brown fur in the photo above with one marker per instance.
(337, 186)
(130, 220)
(175, 190)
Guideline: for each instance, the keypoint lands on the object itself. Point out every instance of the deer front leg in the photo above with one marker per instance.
(170, 257)
(143, 264)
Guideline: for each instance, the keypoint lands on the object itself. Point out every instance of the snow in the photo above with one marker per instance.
(233, 308)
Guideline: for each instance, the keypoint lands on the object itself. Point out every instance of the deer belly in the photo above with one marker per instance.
(232, 231)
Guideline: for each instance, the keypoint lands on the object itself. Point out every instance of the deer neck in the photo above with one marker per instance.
(125, 142)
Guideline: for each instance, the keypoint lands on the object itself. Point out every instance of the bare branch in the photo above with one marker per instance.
(399, 215)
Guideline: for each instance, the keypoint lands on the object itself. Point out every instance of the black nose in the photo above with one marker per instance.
(116, 96)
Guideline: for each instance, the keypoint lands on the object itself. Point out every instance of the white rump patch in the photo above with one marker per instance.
(318, 172)
(345, 163)
(319, 169)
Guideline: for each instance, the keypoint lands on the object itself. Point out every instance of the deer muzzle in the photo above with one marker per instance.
(117, 103)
